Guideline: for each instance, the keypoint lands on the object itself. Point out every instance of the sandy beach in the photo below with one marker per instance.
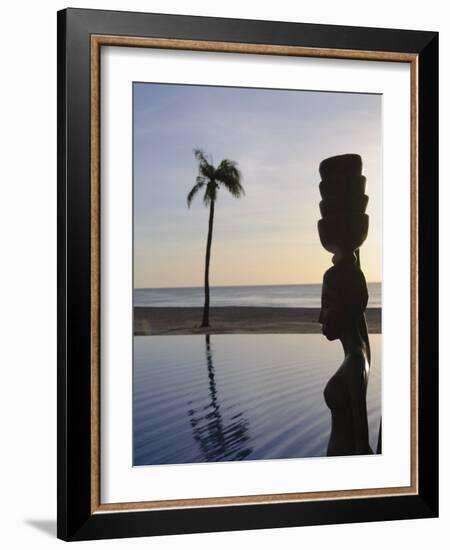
(236, 320)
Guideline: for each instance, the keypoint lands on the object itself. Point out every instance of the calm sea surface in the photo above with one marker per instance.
(256, 296)
(237, 397)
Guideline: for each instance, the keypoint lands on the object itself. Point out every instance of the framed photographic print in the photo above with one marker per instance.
(247, 274)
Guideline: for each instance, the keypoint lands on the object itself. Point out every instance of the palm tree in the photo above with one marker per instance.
(211, 179)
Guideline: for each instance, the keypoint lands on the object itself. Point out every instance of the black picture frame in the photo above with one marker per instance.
(75, 518)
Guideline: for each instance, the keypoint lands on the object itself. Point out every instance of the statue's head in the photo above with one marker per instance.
(344, 299)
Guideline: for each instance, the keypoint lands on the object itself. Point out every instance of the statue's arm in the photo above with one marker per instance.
(357, 388)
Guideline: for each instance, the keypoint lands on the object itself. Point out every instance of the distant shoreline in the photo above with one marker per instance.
(236, 320)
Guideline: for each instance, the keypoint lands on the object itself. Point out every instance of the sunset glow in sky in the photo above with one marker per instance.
(278, 138)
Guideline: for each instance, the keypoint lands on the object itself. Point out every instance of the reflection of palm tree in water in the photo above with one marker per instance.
(217, 437)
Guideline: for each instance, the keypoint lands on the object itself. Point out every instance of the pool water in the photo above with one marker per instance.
(237, 397)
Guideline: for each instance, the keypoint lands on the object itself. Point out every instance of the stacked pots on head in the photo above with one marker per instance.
(344, 224)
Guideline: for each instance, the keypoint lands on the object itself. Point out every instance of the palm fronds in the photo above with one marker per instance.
(226, 174)
(200, 182)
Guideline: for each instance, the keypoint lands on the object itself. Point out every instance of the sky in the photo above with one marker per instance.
(278, 138)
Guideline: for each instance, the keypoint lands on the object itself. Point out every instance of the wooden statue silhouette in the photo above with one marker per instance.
(342, 230)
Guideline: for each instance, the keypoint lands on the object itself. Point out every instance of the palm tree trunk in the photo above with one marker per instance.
(205, 322)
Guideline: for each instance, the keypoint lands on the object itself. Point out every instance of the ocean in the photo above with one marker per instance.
(249, 296)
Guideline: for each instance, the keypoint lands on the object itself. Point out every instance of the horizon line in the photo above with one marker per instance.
(234, 286)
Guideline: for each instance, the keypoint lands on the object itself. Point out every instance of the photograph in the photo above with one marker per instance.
(257, 274)
(247, 261)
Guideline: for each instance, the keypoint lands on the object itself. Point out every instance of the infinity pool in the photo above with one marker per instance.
(237, 397)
